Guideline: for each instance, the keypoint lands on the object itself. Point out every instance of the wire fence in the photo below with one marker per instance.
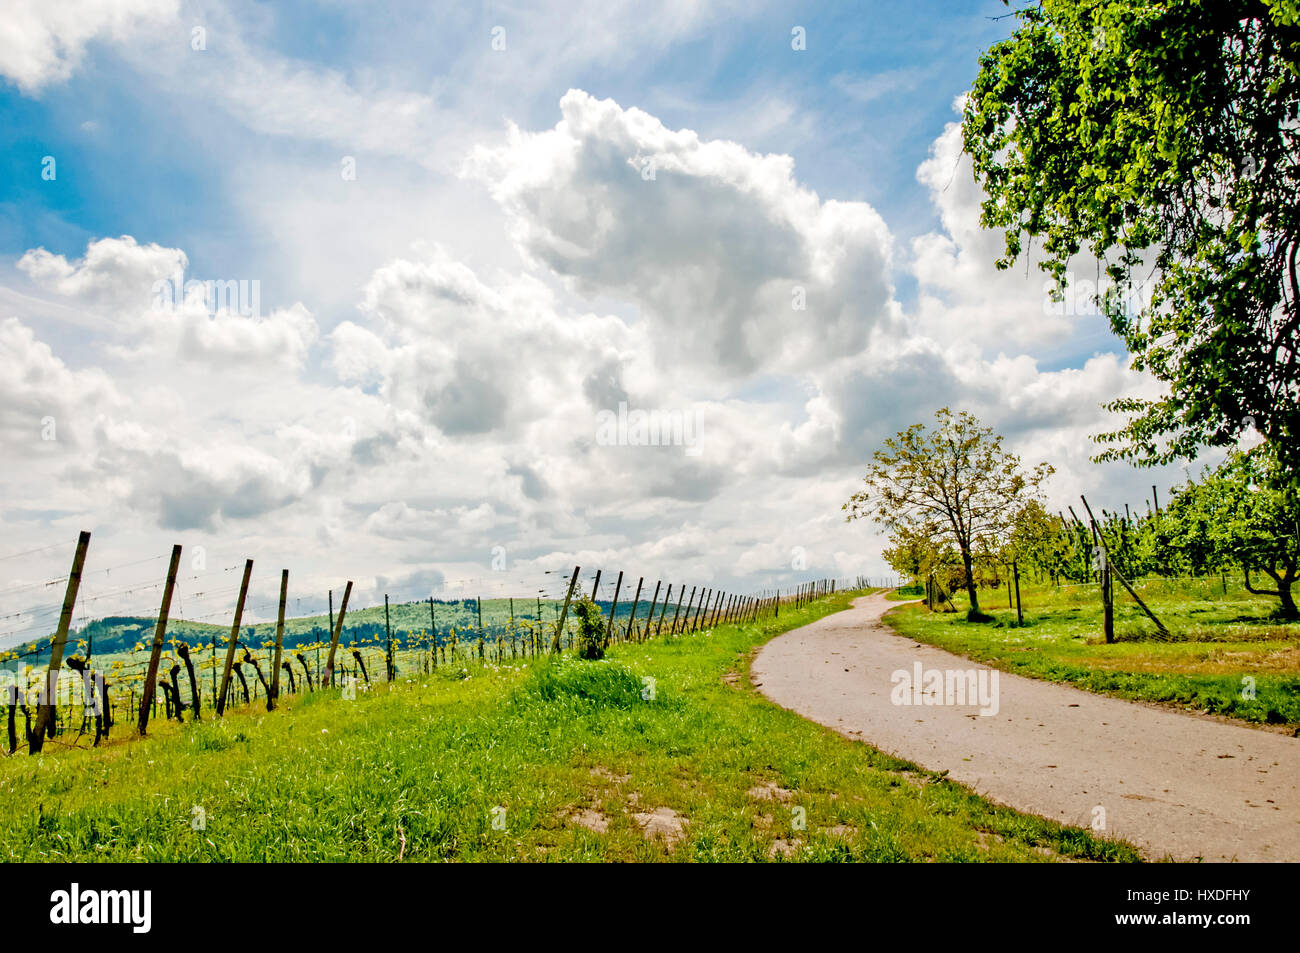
(197, 657)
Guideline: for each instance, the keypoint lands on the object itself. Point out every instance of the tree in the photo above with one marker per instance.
(1036, 541)
(911, 552)
(1244, 514)
(955, 482)
(1164, 135)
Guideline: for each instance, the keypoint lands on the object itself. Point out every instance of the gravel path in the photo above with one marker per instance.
(1176, 785)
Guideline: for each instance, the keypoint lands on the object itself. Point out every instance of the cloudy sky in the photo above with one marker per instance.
(447, 243)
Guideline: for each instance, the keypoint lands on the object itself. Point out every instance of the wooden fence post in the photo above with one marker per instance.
(650, 617)
(234, 639)
(678, 611)
(328, 677)
(45, 712)
(690, 606)
(159, 635)
(388, 632)
(701, 614)
(556, 645)
(609, 626)
(663, 610)
(1160, 626)
(636, 600)
(274, 693)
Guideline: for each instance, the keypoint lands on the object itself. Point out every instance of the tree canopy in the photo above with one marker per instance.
(1242, 514)
(1163, 136)
(954, 485)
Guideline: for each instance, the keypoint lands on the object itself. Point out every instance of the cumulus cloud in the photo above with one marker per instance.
(159, 313)
(458, 408)
(117, 274)
(44, 404)
(732, 263)
(43, 42)
(474, 359)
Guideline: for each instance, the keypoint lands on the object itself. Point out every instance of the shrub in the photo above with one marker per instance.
(591, 630)
(607, 685)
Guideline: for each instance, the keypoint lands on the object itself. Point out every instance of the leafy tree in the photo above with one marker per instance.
(911, 553)
(1036, 540)
(954, 483)
(1244, 514)
(1165, 136)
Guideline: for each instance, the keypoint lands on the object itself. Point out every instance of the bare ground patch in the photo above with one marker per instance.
(770, 791)
(588, 818)
(663, 823)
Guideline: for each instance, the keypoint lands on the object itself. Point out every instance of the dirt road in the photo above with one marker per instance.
(1175, 785)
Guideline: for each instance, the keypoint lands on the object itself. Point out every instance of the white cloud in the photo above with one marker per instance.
(37, 389)
(157, 314)
(43, 41)
(453, 407)
(716, 249)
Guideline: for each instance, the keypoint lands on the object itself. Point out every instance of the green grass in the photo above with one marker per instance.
(420, 769)
(1217, 640)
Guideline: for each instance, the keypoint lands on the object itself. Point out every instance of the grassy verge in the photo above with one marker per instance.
(1225, 653)
(566, 761)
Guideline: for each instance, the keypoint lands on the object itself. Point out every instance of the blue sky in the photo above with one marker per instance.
(861, 106)
(437, 337)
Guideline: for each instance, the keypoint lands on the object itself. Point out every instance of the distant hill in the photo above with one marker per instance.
(121, 634)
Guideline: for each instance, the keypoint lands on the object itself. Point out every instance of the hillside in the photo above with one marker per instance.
(410, 621)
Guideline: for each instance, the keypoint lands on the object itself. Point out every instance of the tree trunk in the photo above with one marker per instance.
(251, 660)
(13, 728)
(1283, 591)
(356, 654)
(183, 651)
(1289, 610)
(176, 692)
(105, 706)
(970, 582)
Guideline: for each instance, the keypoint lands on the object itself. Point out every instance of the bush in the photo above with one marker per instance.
(607, 685)
(591, 630)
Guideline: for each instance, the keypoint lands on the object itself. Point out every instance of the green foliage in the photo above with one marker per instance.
(949, 488)
(1246, 513)
(1218, 639)
(590, 640)
(1163, 135)
(607, 685)
(419, 769)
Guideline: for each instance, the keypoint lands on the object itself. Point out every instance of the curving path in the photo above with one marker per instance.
(1176, 785)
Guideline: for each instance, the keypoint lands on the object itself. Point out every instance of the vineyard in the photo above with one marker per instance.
(74, 687)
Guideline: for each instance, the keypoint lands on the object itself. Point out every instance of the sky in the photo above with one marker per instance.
(448, 298)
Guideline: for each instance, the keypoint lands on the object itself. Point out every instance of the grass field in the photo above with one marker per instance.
(1224, 646)
(542, 761)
